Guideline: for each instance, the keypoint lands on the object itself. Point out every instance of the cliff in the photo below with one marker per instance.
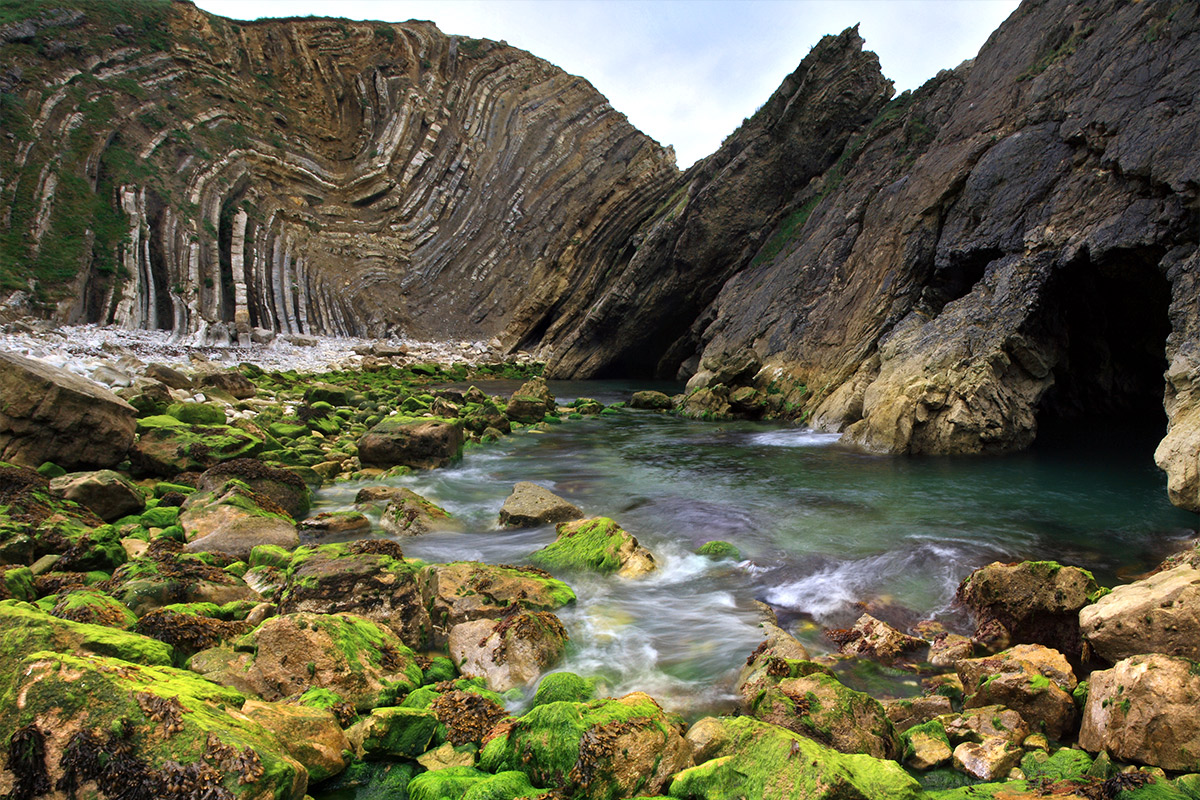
(166, 168)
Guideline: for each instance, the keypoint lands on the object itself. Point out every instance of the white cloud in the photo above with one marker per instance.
(686, 71)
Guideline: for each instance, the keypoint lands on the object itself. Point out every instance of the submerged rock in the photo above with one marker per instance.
(598, 545)
(531, 505)
(50, 414)
(873, 638)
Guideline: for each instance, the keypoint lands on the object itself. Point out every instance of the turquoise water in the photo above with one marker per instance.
(824, 532)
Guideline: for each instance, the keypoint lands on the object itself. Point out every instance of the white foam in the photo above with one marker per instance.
(795, 437)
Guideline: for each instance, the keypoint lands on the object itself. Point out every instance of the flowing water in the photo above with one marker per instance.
(824, 532)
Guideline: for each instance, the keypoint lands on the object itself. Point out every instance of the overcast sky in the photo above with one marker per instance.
(685, 71)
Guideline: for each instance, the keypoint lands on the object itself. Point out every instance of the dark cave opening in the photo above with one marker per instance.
(1109, 320)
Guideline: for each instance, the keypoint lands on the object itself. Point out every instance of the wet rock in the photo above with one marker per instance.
(806, 699)
(369, 578)
(393, 733)
(1036, 602)
(1143, 710)
(412, 442)
(311, 736)
(745, 757)
(978, 724)
(363, 662)
(1034, 681)
(907, 713)
(564, 686)
(873, 638)
(233, 383)
(447, 757)
(651, 399)
(25, 630)
(234, 520)
(531, 402)
(1158, 614)
(166, 575)
(109, 494)
(409, 514)
(190, 628)
(598, 545)
(706, 403)
(469, 715)
(510, 652)
(926, 746)
(718, 550)
(285, 488)
(466, 781)
(147, 396)
(768, 661)
(198, 413)
(50, 414)
(989, 760)
(93, 607)
(531, 505)
(947, 649)
(343, 524)
(599, 749)
(167, 449)
(468, 590)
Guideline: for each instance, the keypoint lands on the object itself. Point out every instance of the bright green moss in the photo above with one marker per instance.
(18, 582)
(933, 728)
(1064, 765)
(25, 628)
(160, 517)
(440, 669)
(396, 732)
(564, 686)
(587, 545)
(197, 413)
(270, 555)
(94, 608)
(718, 549)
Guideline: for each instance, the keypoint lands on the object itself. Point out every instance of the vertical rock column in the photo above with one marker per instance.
(237, 258)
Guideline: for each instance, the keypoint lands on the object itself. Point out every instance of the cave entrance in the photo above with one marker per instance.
(1109, 320)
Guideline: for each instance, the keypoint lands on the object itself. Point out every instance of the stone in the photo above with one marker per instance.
(1032, 680)
(166, 575)
(651, 399)
(363, 662)
(1158, 614)
(464, 591)
(412, 442)
(238, 536)
(745, 757)
(597, 545)
(873, 638)
(284, 488)
(50, 414)
(926, 746)
(1143, 710)
(564, 686)
(341, 524)
(311, 736)
(446, 757)
(511, 652)
(947, 649)
(168, 450)
(234, 520)
(531, 402)
(25, 630)
(989, 760)
(909, 712)
(531, 505)
(1037, 602)
(764, 665)
(172, 378)
(409, 514)
(599, 749)
(233, 383)
(984, 722)
(708, 403)
(393, 733)
(109, 494)
(198, 413)
(369, 578)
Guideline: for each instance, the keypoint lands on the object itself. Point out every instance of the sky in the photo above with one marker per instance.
(686, 72)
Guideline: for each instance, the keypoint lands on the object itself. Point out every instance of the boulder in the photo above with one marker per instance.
(469, 714)
(1032, 680)
(234, 519)
(910, 712)
(600, 749)
(873, 638)
(1158, 614)
(409, 514)
(926, 746)
(531, 505)
(237, 537)
(363, 662)
(369, 577)
(989, 760)
(708, 404)
(511, 652)
(531, 402)
(1144, 710)
(1036, 602)
(198, 413)
(984, 722)
(311, 736)
(651, 399)
(166, 575)
(343, 524)
(25, 629)
(233, 383)
(192, 627)
(109, 494)
(464, 591)
(165, 449)
(169, 376)
(421, 443)
(745, 757)
(393, 732)
(112, 728)
(93, 607)
(285, 488)
(768, 661)
(50, 414)
(808, 700)
(598, 545)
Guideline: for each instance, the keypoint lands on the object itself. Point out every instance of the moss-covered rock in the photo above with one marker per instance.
(745, 757)
(310, 735)
(564, 687)
(926, 746)
(197, 413)
(283, 487)
(468, 783)
(171, 449)
(409, 514)
(372, 780)
(26, 629)
(140, 731)
(234, 519)
(599, 749)
(597, 545)
(718, 549)
(369, 577)
(190, 628)
(393, 732)
(166, 575)
(418, 442)
(94, 608)
(363, 662)
(1033, 680)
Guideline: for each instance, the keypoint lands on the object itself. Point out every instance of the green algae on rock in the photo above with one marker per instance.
(25, 629)
(597, 545)
(564, 686)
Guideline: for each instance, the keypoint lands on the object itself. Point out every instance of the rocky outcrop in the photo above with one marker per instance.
(1159, 614)
(306, 176)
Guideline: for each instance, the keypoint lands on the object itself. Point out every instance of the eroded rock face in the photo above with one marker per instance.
(1144, 710)
(50, 414)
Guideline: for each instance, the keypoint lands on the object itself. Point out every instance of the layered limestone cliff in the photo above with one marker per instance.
(166, 168)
